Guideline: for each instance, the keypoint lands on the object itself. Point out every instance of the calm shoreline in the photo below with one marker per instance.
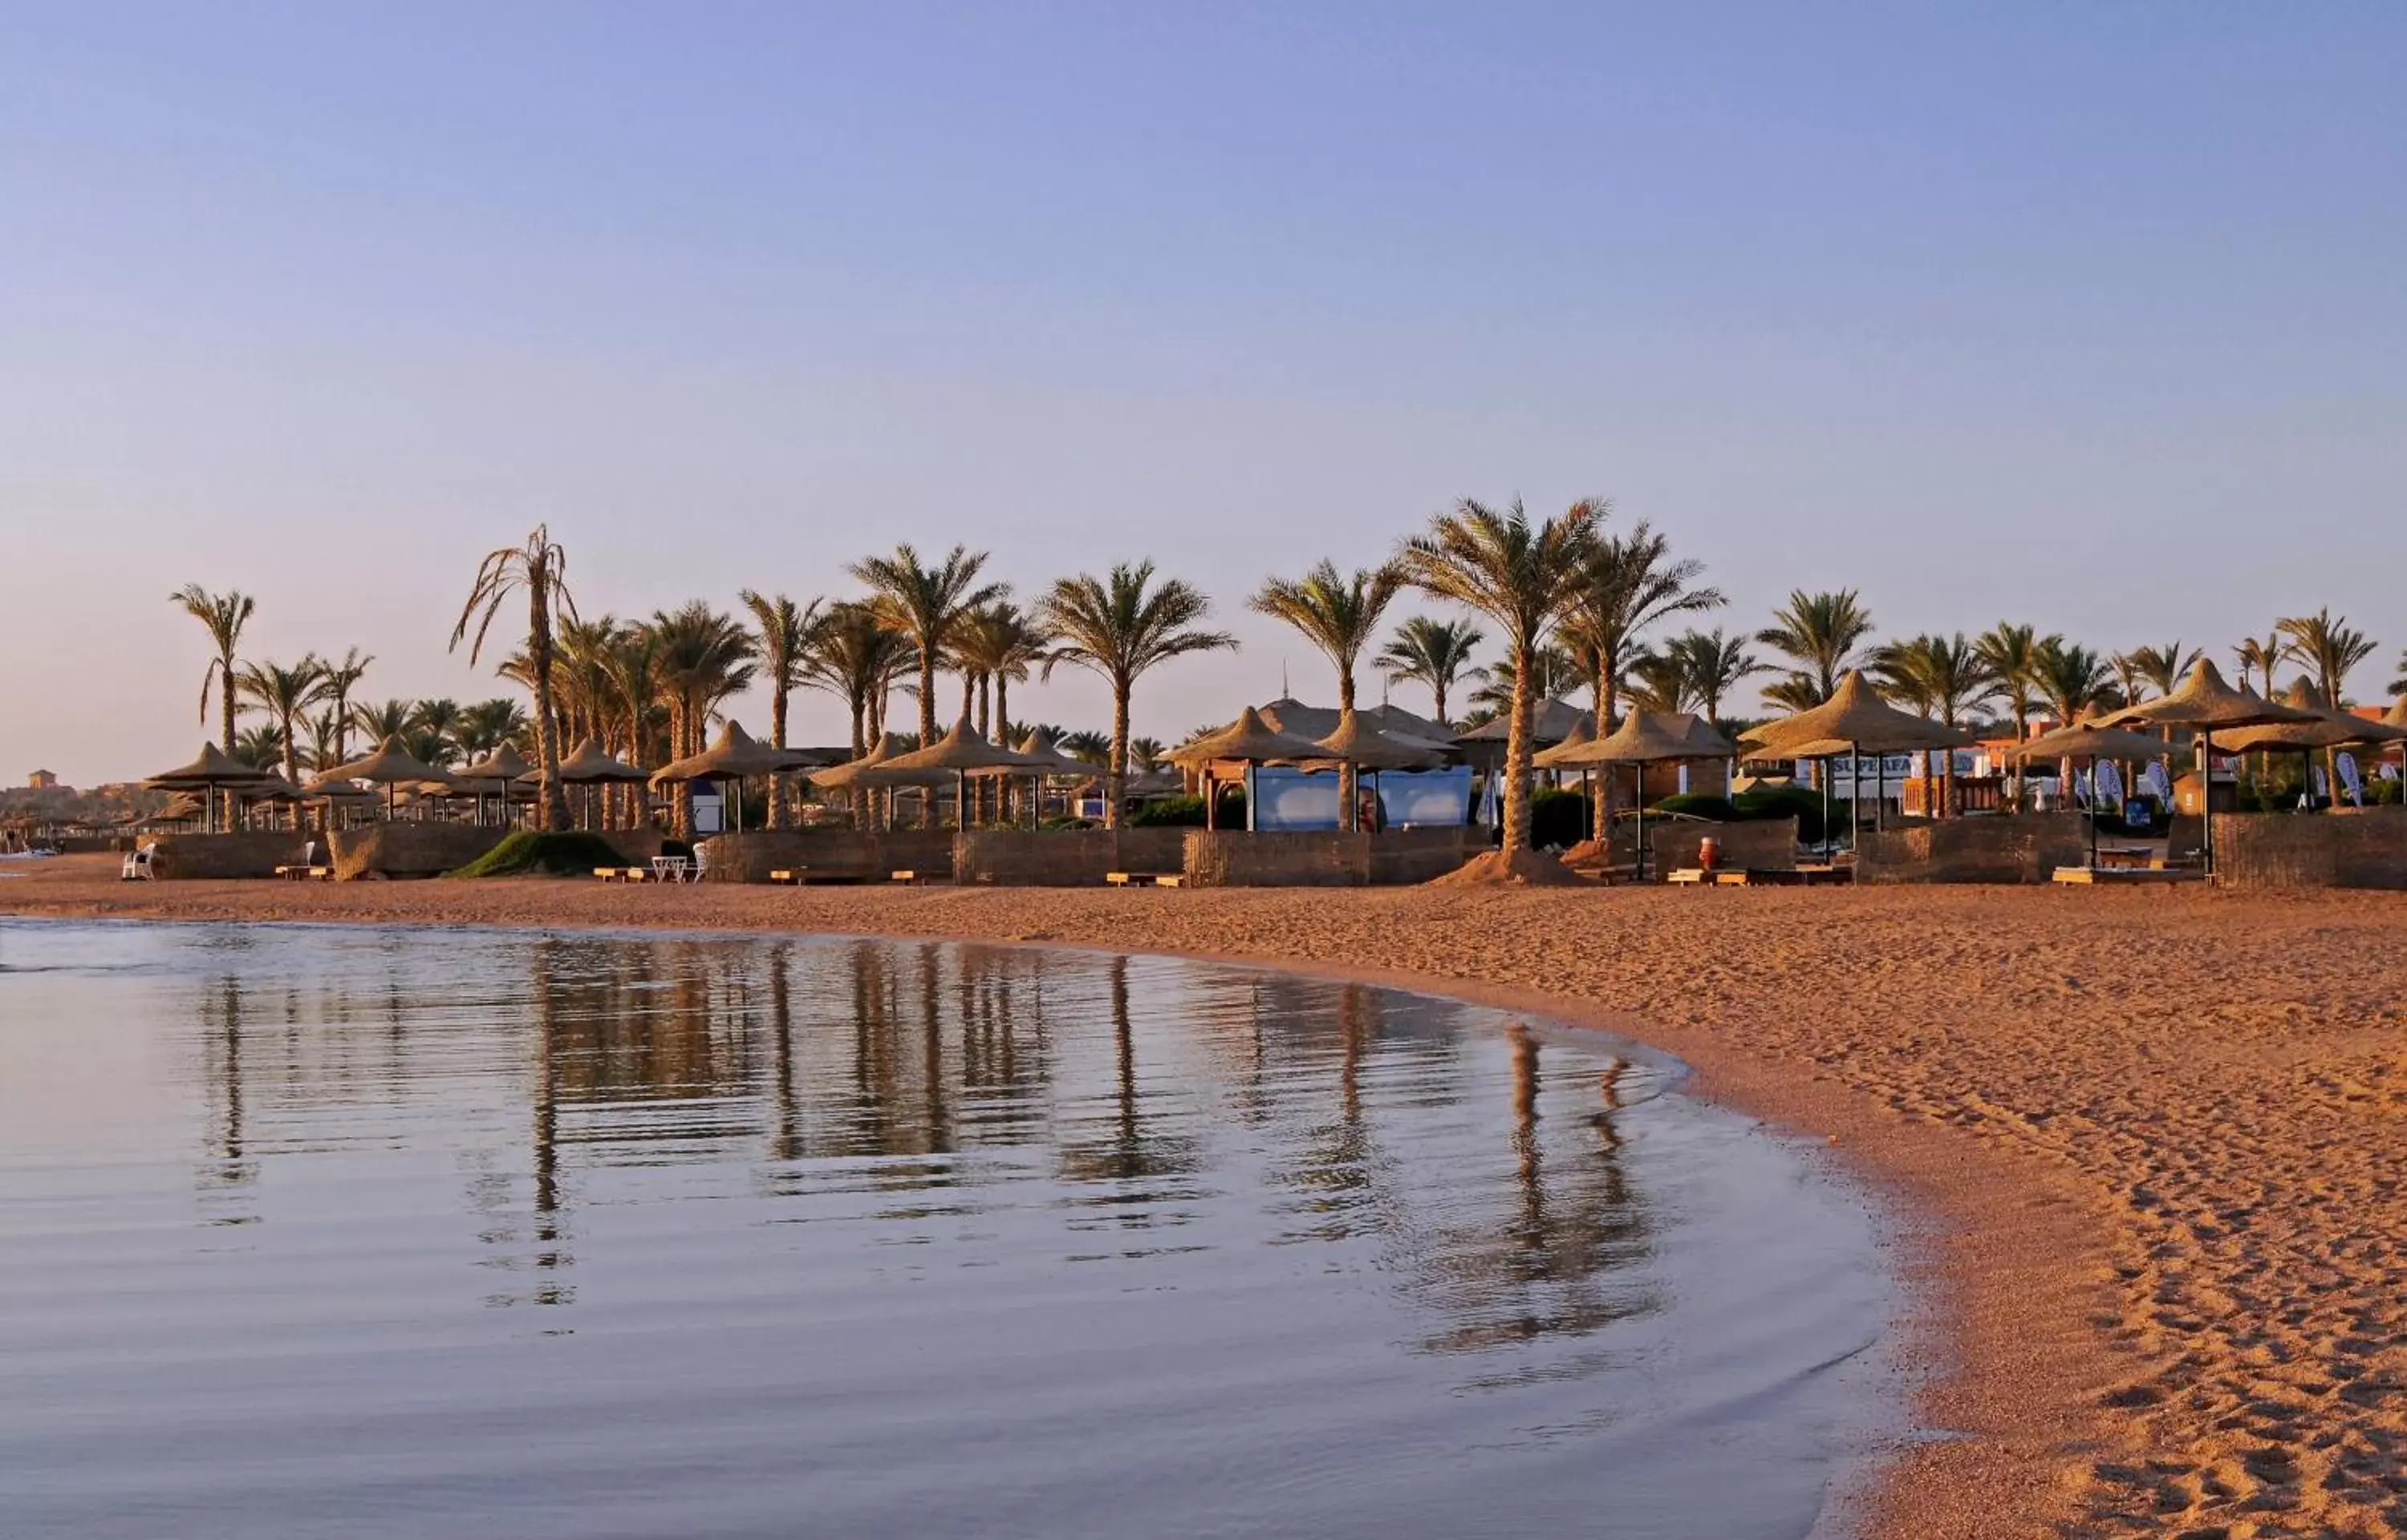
(2099, 1311)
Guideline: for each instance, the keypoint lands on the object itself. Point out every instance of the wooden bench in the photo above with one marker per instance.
(621, 874)
(306, 874)
(1145, 878)
(1689, 876)
(910, 878)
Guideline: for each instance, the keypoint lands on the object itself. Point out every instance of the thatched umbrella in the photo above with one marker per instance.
(2323, 729)
(862, 774)
(1581, 735)
(1358, 746)
(2087, 740)
(590, 765)
(1249, 741)
(1857, 718)
(2207, 703)
(211, 771)
(491, 776)
(1649, 738)
(960, 752)
(390, 766)
(732, 757)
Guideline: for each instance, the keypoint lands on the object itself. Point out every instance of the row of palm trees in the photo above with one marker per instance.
(1574, 606)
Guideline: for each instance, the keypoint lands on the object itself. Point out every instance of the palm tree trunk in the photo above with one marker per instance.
(777, 784)
(225, 701)
(1116, 763)
(1349, 813)
(927, 692)
(1516, 749)
(554, 815)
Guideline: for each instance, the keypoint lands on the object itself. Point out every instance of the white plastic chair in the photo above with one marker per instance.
(137, 868)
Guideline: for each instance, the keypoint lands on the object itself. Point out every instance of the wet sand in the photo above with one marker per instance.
(2151, 1135)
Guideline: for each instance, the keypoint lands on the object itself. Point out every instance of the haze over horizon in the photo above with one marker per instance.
(2084, 319)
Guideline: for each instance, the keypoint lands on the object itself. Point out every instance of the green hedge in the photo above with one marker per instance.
(525, 851)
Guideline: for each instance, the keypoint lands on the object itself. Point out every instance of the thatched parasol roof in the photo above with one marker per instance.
(270, 787)
(323, 790)
(1041, 748)
(1855, 715)
(2207, 703)
(1647, 737)
(505, 764)
(962, 749)
(1550, 722)
(1249, 739)
(589, 766)
(389, 765)
(2323, 729)
(2087, 740)
(1357, 743)
(1298, 720)
(213, 768)
(870, 770)
(1580, 737)
(735, 753)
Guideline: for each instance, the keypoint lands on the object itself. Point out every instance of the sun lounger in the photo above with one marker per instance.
(1145, 878)
(306, 874)
(2125, 876)
(621, 874)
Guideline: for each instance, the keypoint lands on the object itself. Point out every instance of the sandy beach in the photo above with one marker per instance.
(2146, 1138)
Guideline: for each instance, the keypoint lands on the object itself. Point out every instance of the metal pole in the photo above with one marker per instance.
(2206, 793)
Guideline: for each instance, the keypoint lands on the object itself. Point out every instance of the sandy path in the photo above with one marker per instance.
(2157, 1132)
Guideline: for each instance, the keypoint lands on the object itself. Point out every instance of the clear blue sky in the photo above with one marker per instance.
(2089, 315)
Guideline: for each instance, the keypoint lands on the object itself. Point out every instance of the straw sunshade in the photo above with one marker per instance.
(2087, 740)
(2323, 729)
(1649, 738)
(390, 765)
(952, 757)
(214, 767)
(732, 756)
(589, 766)
(856, 772)
(1358, 744)
(1856, 716)
(2207, 703)
(1047, 757)
(505, 764)
(1582, 735)
(1249, 739)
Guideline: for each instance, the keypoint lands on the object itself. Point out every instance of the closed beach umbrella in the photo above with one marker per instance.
(2207, 703)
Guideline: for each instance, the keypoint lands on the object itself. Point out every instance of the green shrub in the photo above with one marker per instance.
(1698, 804)
(1802, 803)
(524, 852)
(1187, 811)
(1557, 817)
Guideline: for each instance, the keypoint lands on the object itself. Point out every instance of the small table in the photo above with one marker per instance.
(673, 868)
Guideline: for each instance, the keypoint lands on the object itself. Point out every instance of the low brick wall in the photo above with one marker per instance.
(1064, 857)
(1421, 854)
(2017, 848)
(406, 849)
(1753, 844)
(1234, 858)
(830, 853)
(919, 850)
(237, 854)
(2356, 848)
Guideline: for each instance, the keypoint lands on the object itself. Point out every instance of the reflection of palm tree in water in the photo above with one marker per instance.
(221, 1018)
(1546, 1271)
(550, 1227)
(787, 1143)
(1131, 1153)
(1339, 1166)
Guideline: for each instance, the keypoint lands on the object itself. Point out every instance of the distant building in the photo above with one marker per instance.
(44, 781)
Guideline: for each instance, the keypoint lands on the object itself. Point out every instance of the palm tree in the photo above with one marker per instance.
(434, 731)
(2398, 685)
(1086, 745)
(1121, 626)
(1436, 653)
(781, 636)
(224, 615)
(2330, 648)
(2158, 668)
(2263, 657)
(2072, 680)
(339, 680)
(1713, 665)
(704, 658)
(539, 569)
(2010, 653)
(262, 746)
(855, 658)
(325, 741)
(285, 694)
(1145, 753)
(1819, 633)
(1001, 642)
(1632, 582)
(379, 720)
(1339, 615)
(1522, 577)
(1555, 675)
(928, 604)
(1659, 682)
(486, 727)
(1943, 677)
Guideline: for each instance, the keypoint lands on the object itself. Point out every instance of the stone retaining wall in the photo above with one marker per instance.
(2344, 848)
(2025, 847)
(406, 849)
(1758, 844)
(1234, 858)
(1407, 855)
(1064, 857)
(236, 853)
